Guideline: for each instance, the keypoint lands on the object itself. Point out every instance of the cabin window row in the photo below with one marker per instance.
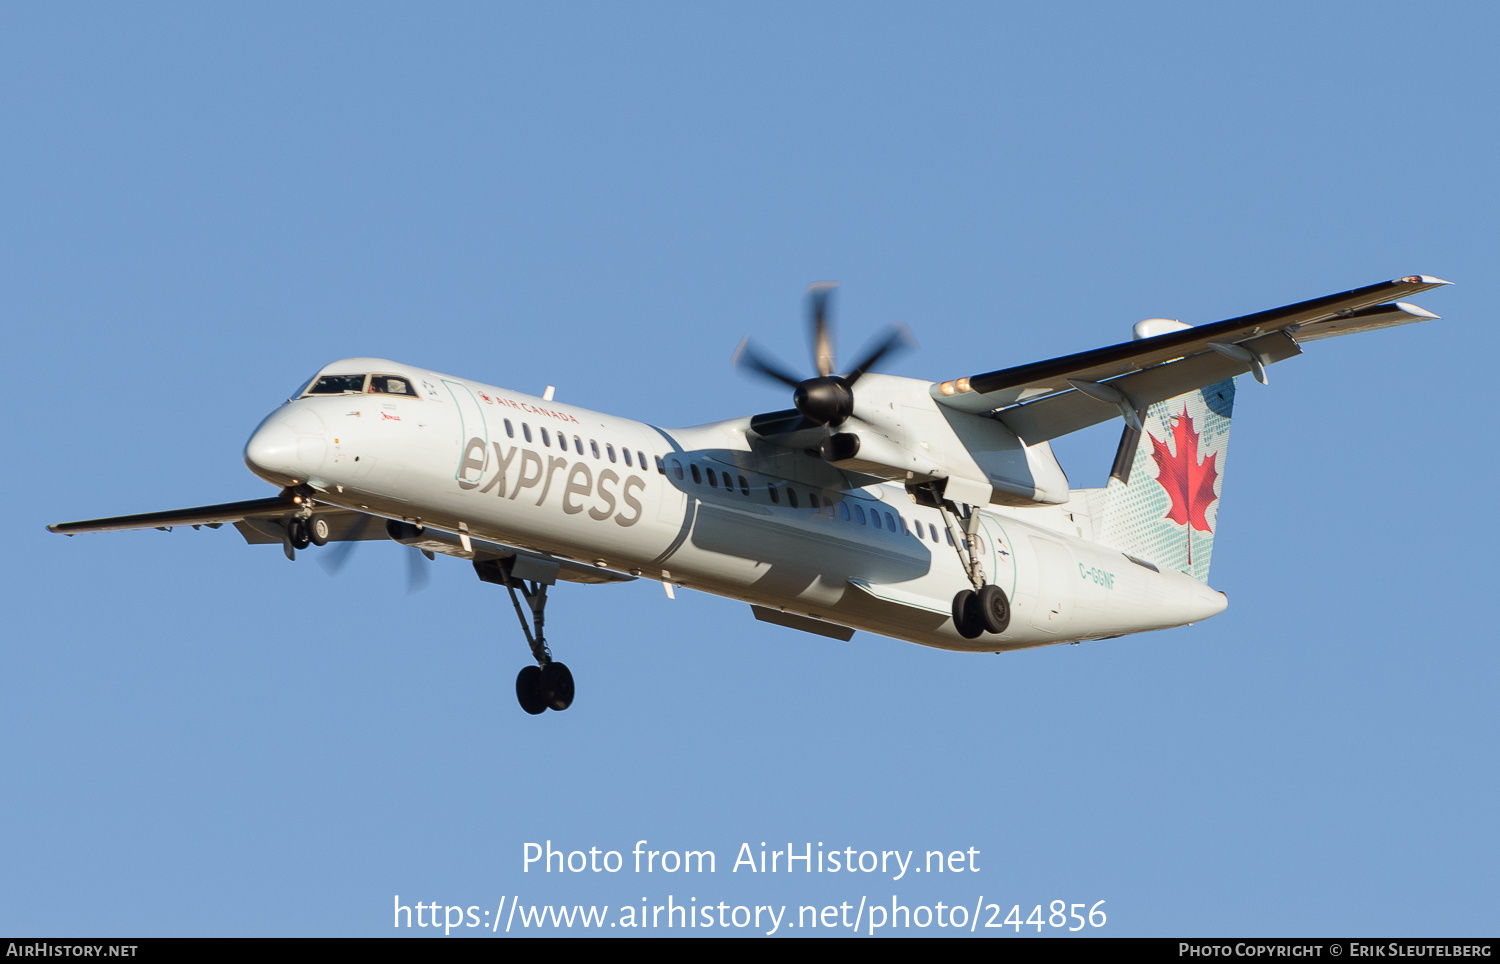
(879, 519)
(559, 440)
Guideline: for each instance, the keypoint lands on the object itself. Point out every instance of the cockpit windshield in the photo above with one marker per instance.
(337, 385)
(362, 384)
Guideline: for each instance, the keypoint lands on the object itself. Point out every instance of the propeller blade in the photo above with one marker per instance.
(335, 559)
(417, 575)
(818, 296)
(746, 357)
(899, 339)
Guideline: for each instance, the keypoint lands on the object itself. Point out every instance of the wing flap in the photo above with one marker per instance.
(1058, 414)
(1366, 319)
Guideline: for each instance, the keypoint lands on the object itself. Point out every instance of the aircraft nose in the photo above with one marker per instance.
(287, 447)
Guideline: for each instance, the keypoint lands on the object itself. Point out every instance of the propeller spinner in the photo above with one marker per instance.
(827, 398)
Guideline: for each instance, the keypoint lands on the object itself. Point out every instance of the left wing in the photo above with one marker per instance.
(1043, 400)
(260, 522)
(209, 515)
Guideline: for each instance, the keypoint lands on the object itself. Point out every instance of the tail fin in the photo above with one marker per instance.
(1161, 504)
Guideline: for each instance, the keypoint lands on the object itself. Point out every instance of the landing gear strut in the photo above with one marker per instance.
(549, 684)
(985, 608)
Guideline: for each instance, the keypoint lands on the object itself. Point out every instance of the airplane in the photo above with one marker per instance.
(932, 512)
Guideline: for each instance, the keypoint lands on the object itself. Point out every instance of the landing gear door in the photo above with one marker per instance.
(473, 435)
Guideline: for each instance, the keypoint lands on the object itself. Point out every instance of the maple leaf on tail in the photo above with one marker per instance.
(1189, 482)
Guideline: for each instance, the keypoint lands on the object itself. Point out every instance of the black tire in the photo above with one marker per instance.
(556, 686)
(994, 608)
(966, 615)
(318, 530)
(297, 532)
(528, 690)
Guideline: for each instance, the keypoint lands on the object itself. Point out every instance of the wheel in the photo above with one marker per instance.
(994, 608)
(297, 532)
(966, 616)
(556, 686)
(528, 692)
(318, 530)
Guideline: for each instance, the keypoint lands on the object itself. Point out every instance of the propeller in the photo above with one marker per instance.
(335, 558)
(827, 398)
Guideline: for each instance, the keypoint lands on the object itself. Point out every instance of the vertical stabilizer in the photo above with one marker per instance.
(1162, 501)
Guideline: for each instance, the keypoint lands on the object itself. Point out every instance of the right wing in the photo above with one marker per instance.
(1043, 400)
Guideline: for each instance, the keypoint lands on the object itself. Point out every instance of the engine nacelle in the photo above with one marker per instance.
(904, 435)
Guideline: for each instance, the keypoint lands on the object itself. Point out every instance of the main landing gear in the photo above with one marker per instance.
(985, 608)
(983, 611)
(549, 684)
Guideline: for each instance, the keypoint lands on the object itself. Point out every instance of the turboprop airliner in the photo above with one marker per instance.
(933, 512)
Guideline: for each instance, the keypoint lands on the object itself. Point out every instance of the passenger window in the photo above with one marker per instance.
(859, 513)
(509, 432)
(791, 497)
(643, 460)
(772, 489)
(844, 510)
(594, 447)
(728, 482)
(676, 468)
(610, 450)
(889, 522)
(663, 469)
(875, 519)
(338, 385)
(546, 437)
(577, 444)
(626, 453)
(949, 534)
(526, 431)
(933, 529)
(812, 500)
(744, 486)
(713, 479)
(697, 476)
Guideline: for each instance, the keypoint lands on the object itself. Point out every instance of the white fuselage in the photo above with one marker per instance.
(513, 469)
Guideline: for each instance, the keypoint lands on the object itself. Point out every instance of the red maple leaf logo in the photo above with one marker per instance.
(1189, 482)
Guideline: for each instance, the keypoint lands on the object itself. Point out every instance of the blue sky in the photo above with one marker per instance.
(203, 205)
